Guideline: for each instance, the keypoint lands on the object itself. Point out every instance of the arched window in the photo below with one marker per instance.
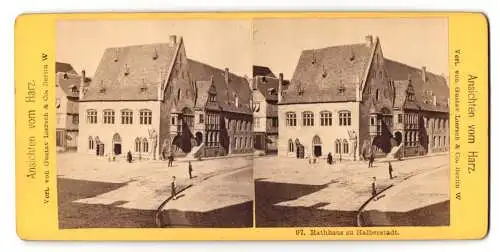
(91, 143)
(290, 145)
(291, 119)
(145, 116)
(308, 118)
(91, 116)
(346, 146)
(240, 143)
(345, 118)
(326, 118)
(337, 146)
(137, 145)
(127, 116)
(145, 145)
(109, 116)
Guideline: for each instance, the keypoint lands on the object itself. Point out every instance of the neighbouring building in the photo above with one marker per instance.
(265, 108)
(68, 84)
(145, 99)
(223, 121)
(340, 99)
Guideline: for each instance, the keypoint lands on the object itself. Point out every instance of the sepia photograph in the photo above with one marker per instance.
(154, 124)
(358, 119)
(186, 123)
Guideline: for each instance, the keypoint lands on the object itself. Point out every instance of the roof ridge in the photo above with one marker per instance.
(138, 45)
(412, 67)
(334, 46)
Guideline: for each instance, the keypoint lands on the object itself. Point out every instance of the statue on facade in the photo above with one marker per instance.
(354, 142)
(153, 136)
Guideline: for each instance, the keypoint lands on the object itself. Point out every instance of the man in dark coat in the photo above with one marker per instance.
(329, 158)
(172, 189)
(390, 170)
(190, 170)
(170, 159)
(374, 187)
(129, 156)
(372, 159)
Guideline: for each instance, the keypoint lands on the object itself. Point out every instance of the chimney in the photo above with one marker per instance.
(280, 87)
(173, 40)
(424, 74)
(369, 40)
(82, 86)
(226, 75)
(254, 83)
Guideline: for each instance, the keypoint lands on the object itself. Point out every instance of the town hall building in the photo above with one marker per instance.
(145, 99)
(341, 98)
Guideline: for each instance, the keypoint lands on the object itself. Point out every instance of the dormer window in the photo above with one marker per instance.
(155, 54)
(341, 90)
(65, 76)
(264, 79)
(143, 87)
(126, 70)
(102, 89)
(74, 90)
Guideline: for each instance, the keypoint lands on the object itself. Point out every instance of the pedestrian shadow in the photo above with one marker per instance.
(269, 214)
(437, 214)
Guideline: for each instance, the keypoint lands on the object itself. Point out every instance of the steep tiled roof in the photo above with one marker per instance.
(262, 71)
(202, 88)
(237, 85)
(320, 73)
(62, 67)
(132, 72)
(67, 82)
(424, 91)
(265, 85)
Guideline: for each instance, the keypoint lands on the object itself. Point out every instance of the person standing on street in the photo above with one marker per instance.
(329, 158)
(374, 187)
(129, 156)
(390, 170)
(190, 167)
(170, 159)
(173, 185)
(372, 159)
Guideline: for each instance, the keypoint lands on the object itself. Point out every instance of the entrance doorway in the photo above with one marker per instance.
(199, 138)
(117, 144)
(316, 146)
(398, 137)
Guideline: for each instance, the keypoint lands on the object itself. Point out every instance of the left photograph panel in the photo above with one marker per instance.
(154, 124)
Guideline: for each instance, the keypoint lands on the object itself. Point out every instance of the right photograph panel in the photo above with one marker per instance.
(351, 117)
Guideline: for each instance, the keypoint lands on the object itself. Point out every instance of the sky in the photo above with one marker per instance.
(220, 43)
(239, 44)
(277, 43)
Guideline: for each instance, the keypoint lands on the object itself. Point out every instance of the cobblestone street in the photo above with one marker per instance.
(292, 192)
(144, 185)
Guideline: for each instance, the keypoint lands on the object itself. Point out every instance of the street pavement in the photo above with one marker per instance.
(340, 188)
(147, 182)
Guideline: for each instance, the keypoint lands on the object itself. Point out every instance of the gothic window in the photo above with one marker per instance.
(91, 143)
(290, 145)
(338, 146)
(137, 145)
(145, 145)
(346, 146)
